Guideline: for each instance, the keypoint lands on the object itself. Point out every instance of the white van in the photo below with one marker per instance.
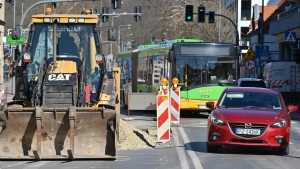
(251, 82)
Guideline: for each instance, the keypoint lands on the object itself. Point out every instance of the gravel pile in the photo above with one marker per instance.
(133, 138)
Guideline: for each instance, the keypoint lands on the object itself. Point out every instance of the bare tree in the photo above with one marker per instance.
(170, 16)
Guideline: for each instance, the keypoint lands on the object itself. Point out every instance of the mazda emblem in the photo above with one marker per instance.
(248, 125)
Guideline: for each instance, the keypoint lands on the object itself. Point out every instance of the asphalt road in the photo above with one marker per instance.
(188, 151)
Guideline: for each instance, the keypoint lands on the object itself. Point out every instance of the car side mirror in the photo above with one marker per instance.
(292, 108)
(210, 105)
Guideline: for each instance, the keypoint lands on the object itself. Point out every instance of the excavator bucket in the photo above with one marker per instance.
(55, 133)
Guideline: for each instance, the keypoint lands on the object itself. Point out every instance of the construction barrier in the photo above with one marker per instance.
(175, 105)
(163, 115)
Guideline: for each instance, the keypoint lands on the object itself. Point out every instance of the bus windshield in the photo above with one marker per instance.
(204, 70)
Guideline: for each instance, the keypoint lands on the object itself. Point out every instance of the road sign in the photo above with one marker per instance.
(250, 54)
(249, 64)
(262, 54)
(290, 37)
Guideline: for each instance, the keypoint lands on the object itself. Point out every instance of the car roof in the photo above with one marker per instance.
(251, 89)
(250, 79)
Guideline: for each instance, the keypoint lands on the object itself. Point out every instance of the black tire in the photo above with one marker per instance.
(284, 151)
(211, 148)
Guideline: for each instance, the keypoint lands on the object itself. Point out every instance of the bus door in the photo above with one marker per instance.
(149, 79)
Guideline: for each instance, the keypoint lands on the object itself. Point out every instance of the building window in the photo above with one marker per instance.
(246, 10)
(244, 37)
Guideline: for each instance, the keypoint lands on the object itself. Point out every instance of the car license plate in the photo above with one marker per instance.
(202, 107)
(247, 131)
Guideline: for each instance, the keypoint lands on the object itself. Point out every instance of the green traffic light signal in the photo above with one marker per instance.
(211, 17)
(189, 13)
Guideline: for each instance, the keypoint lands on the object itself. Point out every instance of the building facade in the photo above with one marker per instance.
(244, 19)
(284, 24)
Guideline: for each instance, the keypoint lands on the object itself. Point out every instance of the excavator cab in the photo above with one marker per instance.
(64, 106)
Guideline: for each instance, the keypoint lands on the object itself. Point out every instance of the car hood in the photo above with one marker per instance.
(249, 115)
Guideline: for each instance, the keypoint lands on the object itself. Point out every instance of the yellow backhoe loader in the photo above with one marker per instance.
(65, 106)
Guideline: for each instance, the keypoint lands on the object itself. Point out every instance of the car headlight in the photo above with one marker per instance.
(217, 121)
(279, 124)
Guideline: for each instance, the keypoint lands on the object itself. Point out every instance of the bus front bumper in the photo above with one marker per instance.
(195, 105)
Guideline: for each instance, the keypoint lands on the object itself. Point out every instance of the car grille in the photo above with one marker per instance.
(248, 141)
(262, 128)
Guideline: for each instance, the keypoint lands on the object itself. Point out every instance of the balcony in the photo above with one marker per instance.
(285, 21)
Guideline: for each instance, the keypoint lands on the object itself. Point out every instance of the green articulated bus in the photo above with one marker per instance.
(204, 70)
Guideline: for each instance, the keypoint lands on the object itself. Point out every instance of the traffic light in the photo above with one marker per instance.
(133, 44)
(153, 40)
(189, 13)
(137, 9)
(105, 10)
(116, 4)
(201, 14)
(211, 17)
(111, 34)
(12, 2)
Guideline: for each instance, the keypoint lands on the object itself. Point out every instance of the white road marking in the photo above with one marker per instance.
(13, 165)
(192, 154)
(180, 150)
(38, 164)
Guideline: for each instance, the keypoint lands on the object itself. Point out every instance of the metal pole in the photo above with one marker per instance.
(262, 31)
(262, 24)
(44, 8)
(123, 44)
(14, 14)
(237, 41)
(14, 54)
(219, 22)
(101, 23)
(22, 7)
(119, 39)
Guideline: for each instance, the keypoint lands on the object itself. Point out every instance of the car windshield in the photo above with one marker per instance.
(250, 100)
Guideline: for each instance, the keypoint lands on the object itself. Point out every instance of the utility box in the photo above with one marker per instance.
(112, 34)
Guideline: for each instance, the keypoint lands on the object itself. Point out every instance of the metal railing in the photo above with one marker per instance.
(285, 14)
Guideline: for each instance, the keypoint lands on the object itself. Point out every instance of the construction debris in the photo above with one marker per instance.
(133, 138)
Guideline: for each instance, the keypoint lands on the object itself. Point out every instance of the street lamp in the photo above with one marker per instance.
(123, 40)
(119, 44)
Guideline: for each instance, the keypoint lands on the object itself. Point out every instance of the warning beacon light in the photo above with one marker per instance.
(175, 81)
(164, 82)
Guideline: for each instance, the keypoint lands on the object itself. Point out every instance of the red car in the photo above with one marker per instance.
(249, 116)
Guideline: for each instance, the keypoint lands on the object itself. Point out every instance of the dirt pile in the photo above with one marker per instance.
(133, 138)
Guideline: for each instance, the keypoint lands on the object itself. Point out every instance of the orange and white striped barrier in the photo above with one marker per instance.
(175, 105)
(163, 113)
